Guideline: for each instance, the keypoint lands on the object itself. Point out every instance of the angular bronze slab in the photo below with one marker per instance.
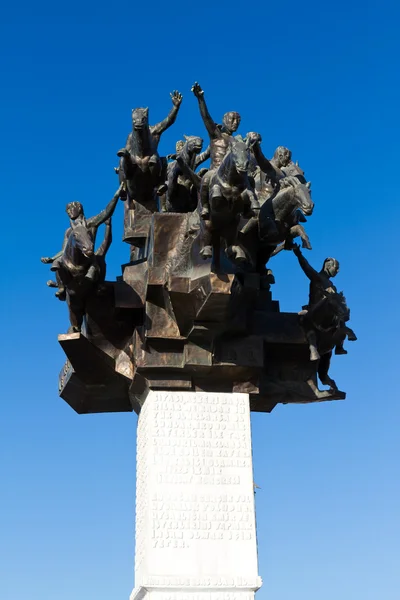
(170, 322)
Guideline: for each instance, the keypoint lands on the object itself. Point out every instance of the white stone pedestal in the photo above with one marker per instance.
(195, 517)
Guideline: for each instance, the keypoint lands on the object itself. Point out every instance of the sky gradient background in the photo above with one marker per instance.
(320, 78)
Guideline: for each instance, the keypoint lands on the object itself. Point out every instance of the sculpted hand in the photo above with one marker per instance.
(176, 98)
(47, 260)
(296, 249)
(290, 180)
(197, 91)
(253, 138)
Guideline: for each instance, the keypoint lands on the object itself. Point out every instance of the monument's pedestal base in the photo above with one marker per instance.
(192, 593)
(195, 517)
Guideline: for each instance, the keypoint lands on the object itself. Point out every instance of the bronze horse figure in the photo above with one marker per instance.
(81, 269)
(325, 327)
(140, 164)
(182, 182)
(141, 169)
(230, 196)
(278, 221)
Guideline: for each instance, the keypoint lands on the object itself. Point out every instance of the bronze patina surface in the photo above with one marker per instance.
(192, 309)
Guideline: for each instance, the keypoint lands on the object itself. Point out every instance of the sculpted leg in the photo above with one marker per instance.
(63, 278)
(208, 196)
(215, 197)
(312, 342)
(206, 251)
(126, 166)
(234, 251)
(351, 336)
(340, 338)
(92, 273)
(251, 203)
(298, 230)
(339, 349)
(60, 294)
(171, 189)
(323, 369)
(204, 201)
(76, 313)
(216, 247)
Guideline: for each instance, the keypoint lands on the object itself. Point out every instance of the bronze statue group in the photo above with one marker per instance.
(248, 208)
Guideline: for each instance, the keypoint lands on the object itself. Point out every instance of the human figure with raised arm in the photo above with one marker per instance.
(202, 157)
(143, 171)
(76, 215)
(280, 165)
(220, 138)
(144, 134)
(321, 287)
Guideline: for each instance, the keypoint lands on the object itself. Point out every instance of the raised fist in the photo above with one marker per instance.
(253, 138)
(196, 89)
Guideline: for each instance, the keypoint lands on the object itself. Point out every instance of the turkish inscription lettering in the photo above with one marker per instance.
(198, 443)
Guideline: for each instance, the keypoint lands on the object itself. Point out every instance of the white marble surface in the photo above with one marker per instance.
(195, 518)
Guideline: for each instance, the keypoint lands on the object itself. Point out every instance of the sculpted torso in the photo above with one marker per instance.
(219, 147)
(317, 288)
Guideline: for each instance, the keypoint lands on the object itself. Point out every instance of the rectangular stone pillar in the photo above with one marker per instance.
(195, 517)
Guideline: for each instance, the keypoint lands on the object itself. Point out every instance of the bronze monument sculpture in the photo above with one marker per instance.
(192, 309)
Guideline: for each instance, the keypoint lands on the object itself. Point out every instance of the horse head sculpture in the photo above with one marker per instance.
(337, 303)
(193, 144)
(240, 156)
(140, 118)
(80, 240)
(299, 192)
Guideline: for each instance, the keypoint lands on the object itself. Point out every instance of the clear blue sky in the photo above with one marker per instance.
(321, 78)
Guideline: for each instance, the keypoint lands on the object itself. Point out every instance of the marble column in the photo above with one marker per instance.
(195, 516)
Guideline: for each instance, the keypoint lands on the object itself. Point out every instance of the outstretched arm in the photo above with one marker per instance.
(311, 273)
(203, 156)
(107, 212)
(106, 243)
(265, 165)
(170, 120)
(186, 170)
(211, 127)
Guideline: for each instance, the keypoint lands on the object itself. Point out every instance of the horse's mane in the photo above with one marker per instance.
(289, 182)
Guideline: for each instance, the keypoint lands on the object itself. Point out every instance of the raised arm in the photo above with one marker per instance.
(211, 127)
(202, 157)
(186, 170)
(107, 212)
(265, 165)
(106, 243)
(311, 273)
(171, 118)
